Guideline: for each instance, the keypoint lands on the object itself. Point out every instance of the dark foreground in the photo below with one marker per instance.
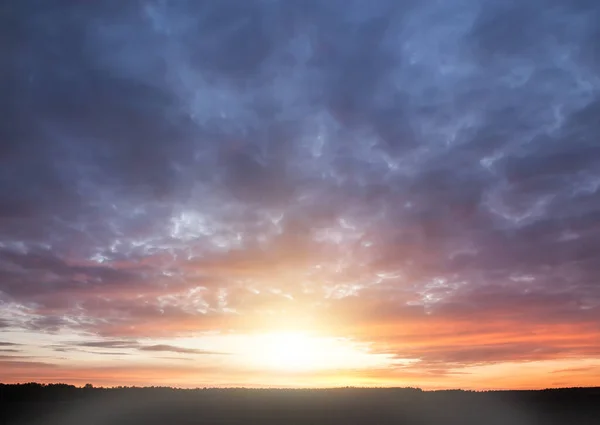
(66, 405)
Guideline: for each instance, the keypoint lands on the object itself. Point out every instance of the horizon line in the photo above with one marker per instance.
(348, 387)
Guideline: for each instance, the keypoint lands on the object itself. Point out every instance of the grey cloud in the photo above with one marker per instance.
(174, 349)
(86, 346)
(109, 344)
(9, 357)
(18, 364)
(132, 344)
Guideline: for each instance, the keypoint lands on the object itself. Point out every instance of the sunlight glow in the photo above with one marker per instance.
(299, 352)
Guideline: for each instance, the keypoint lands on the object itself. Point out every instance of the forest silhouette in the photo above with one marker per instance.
(55, 404)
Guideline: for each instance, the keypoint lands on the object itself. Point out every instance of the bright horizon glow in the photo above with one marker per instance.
(272, 359)
(301, 352)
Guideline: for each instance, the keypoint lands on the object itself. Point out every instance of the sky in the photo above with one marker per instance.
(282, 193)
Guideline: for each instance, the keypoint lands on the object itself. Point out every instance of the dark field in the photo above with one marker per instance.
(65, 405)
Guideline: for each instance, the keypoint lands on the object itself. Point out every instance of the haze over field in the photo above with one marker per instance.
(300, 193)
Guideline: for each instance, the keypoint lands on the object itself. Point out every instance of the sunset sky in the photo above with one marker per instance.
(300, 193)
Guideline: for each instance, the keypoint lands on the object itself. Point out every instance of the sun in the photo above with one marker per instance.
(302, 352)
(292, 351)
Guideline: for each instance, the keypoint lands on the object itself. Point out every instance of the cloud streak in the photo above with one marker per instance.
(173, 349)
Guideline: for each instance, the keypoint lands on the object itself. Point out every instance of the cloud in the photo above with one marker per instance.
(109, 344)
(174, 349)
(6, 362)
(174, 167)
(571, 370)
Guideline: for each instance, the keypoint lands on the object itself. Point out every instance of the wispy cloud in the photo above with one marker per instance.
(174, 349)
